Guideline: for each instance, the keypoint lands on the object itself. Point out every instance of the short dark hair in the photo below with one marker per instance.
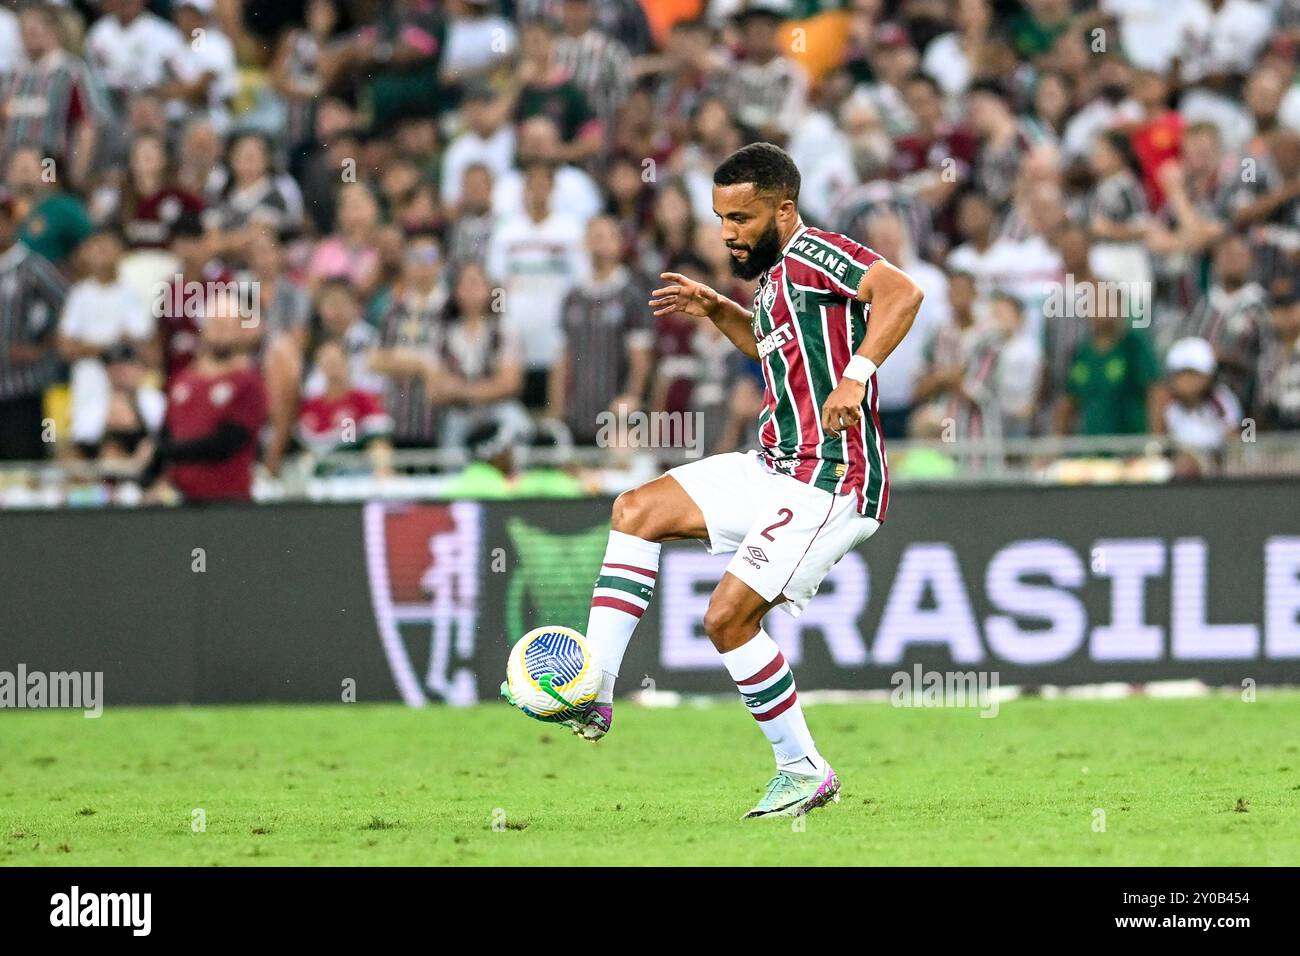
(767, 166)
(337, 284)
(989, 85)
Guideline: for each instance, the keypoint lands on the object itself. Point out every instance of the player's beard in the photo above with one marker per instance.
(762, 255)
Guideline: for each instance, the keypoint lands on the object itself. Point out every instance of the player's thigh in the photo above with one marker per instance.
(721, 488)
(844, 531)
(659, 510)
(797, 534)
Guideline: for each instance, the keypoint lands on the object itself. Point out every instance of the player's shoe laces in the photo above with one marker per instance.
(794, 794)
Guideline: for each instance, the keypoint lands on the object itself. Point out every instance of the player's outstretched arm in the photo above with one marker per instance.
(696, 298)
(894, 300)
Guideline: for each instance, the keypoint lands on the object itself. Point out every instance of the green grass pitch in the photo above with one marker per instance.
(1198, 781)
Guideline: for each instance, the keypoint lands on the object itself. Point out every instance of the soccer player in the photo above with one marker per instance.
(827, 312)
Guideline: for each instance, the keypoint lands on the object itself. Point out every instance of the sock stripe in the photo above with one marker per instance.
(770, 693)
(652, 575)
(643, 591)
(779, 709)
(625, 606)
(772, 666)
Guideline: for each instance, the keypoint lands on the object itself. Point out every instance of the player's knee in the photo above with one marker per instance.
(726, 625)
(632, 514)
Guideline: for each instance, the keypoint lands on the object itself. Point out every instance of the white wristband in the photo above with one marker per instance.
(860, 369)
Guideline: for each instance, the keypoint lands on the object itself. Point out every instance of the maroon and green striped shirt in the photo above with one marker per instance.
(808, 323)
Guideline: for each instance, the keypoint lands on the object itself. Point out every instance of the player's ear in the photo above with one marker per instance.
(786, 211)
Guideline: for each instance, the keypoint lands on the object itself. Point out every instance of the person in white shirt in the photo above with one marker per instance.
(573, 191)
(131, 48)
(101, 314)
(1025, 265)
(479, 40)
(485, 141)
(203, 71)
(887, 235)
(949, 56)
(12, 55)
(536, 257)
(1196, 412)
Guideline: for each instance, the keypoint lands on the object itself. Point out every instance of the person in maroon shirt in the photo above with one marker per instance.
(180, 312)
(150, 203)
(215, 409)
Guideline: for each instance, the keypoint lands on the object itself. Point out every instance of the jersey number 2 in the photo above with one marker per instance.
(788, 517)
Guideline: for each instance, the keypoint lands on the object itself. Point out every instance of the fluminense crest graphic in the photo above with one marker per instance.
(423, 564)
(551, 576)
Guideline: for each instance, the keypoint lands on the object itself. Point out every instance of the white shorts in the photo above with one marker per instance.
(786, 534)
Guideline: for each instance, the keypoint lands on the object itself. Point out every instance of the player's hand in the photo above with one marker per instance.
(843, 409)
(684, 295)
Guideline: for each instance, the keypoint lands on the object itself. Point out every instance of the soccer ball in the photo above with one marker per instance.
(552, 674)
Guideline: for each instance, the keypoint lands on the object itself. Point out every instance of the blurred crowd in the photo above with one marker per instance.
(239, 231)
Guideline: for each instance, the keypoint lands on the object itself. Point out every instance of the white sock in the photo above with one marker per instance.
(766, 683)
(623, 592)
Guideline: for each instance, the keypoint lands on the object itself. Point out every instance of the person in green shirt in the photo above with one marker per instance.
(1109, 385)
(54, 222)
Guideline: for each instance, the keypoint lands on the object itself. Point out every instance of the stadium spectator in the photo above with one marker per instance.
(136, 408)
(897, 387)
(1117, 211)
(132, 49)
(345, 418)
(470, 221)
(477, 372)
(180, 306)
(542, 86)
(32, 293)
(202, 74)
(1198, 414)
(1233, 317)
(54, 104)
(479, 41)
(251, 195)
(54, 220)
(1108, 389)
(762, 88)
(215, 409)
(411, 328)
(1003, 371)
(307, 64)
(604, 368)
(148, 202)
(1278, 397)
(102, 315)
(485, 140)
(352, 251)
(597, 62)
(537, 257)
(339, 311)
(937, 395)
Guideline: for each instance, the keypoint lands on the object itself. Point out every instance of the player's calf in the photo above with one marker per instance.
(657, 511)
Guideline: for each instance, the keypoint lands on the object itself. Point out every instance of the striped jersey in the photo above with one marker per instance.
(808, 323)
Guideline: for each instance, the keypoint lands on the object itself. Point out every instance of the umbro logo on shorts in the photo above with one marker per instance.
(757, 554)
